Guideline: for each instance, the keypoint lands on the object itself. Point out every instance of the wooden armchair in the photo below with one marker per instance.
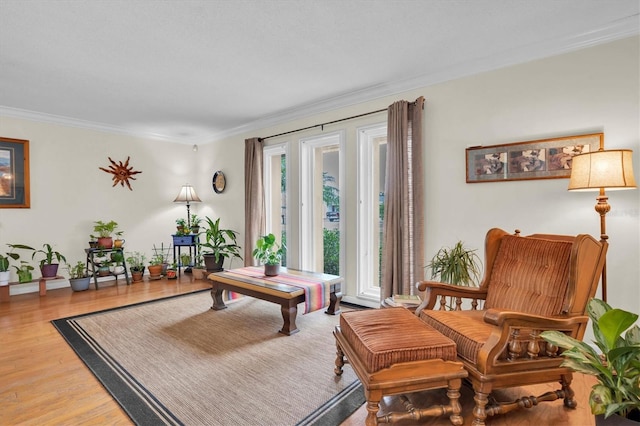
(531, 284)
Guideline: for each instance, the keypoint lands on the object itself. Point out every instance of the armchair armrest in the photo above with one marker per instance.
(516, 337)
(433, 289)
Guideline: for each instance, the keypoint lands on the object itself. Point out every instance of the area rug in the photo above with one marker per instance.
(176, 361)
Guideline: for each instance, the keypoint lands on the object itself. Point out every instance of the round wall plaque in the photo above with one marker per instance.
(219, 182)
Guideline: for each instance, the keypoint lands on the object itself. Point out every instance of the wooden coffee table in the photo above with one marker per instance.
(269, 289)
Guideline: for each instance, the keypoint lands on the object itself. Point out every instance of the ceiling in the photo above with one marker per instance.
(199, 71)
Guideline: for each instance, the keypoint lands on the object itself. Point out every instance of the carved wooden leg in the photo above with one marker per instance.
(373, 406)
(569, 395)
(479, 413)
(334, 301)
(289, 314)
(339, 360)
(218, 303)
(453, 392)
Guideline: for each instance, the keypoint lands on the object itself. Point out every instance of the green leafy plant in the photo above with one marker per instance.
(458, 265)
(24, 271)
(617, 368)
(5, 260)
(48, 254)
(77, 271)
(136, 261)
(268, 251)
(104, 229)
(217, 241)
(156, 259)
(195, 220)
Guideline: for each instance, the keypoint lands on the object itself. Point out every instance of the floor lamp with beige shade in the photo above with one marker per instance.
(597, 171)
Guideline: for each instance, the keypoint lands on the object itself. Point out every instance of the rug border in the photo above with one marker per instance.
(139, 408)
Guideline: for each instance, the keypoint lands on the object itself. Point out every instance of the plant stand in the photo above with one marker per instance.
(92, 268)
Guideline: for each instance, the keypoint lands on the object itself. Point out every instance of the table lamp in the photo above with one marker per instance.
(187, 194)
(597, 171)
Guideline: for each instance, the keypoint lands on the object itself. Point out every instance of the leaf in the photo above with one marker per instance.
(612, 323)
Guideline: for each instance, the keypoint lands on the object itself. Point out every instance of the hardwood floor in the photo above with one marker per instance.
(43, 382)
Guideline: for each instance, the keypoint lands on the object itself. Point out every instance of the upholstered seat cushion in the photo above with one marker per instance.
(383, 337)
(466, 328)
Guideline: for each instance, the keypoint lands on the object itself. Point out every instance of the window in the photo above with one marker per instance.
(372, 157)
(275, 184)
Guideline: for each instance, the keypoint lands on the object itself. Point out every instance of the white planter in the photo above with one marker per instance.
(4, 277)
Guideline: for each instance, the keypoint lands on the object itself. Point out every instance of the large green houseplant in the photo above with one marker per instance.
(617, 367)
(48, 266)
(217, 244)
(269, 253)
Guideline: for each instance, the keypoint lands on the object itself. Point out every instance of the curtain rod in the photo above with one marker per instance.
(321, 125)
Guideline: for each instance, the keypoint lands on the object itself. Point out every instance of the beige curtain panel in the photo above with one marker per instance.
(254, 206)
(403, 226)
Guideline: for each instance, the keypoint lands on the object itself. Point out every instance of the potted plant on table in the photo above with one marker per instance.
(617, 368)
(24, 272)
(105, 231)
(217, 245)
(195, 224)
(181, 227)
(78, 276)
(48, 268)
(269, 253)
(5, 261)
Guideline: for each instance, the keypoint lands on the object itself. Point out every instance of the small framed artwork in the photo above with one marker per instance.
(14, 173)
(539, 159)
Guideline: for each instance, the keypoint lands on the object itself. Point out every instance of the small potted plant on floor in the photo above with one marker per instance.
(155, 267)
(172, 273)
(136, 261)
(617, 367)
(48, 268)
(217, 244)
(105, 231)
(199, 271)
(78, 276)
(269, 253)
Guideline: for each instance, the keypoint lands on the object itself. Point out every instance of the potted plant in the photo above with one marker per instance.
(458, 265)
(118, 242)
(24, 272)
(181, 226)
(617, 368)
(217, 244)
(269, 253)
(48, 268)
(93, 241)
(104, 231)
(5, 261)
(155, 267)
(136, 261)
(78, 276)
(172, 271)
(117, 262)
(198, 270)
(195, 224)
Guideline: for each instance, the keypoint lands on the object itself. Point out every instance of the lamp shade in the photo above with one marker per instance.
(611, 169)
(187, 195)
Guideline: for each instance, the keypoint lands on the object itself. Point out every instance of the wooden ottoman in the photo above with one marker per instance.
(393, 352)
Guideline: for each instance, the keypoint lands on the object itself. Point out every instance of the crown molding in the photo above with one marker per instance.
(620, 29)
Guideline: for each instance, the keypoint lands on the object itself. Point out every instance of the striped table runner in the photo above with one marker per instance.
(316, 291)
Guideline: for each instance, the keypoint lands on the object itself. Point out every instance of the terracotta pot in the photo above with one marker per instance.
(199, 273)
(105, 242)
(155, 271)
(136, 276)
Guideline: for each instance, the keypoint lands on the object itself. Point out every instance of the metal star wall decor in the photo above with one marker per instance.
(121, 173)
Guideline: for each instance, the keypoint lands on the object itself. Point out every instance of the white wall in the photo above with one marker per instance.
(593, 90)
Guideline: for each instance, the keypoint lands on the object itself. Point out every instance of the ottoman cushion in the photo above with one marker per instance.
(383, 337)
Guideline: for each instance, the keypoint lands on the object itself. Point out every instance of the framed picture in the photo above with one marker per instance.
(14, 173)
(540, 159)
